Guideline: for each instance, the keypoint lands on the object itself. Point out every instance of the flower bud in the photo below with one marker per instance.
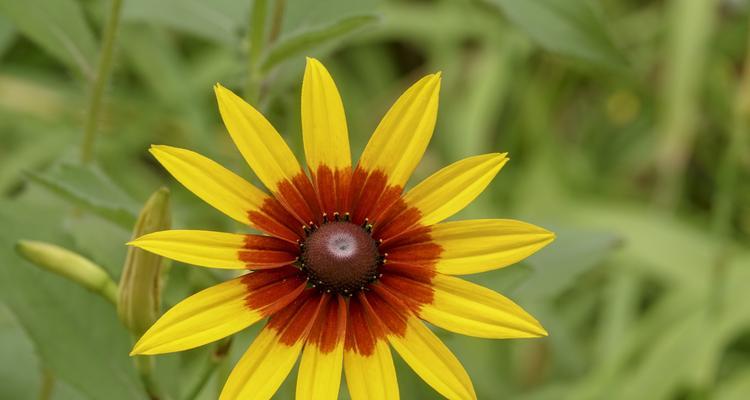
(70, 265)
(140, 285)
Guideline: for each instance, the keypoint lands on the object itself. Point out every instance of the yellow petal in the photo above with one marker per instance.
(463, 307)
(401, 138)
(371, 377)
(449, 190)
(262, 368)
(319, 374)
(323, 121)
(441, 195)
(213, 183)
(432, 360)
(474, 246)
(204, 317)
(255, 137)
(218, 249)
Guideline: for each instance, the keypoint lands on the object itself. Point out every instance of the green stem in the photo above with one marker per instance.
(727, 177)
(47, 386)
(686, 48)
(217, 356)
(145, 367)
(256, 78)
(278, 18)
(256, 36)
(100, 82)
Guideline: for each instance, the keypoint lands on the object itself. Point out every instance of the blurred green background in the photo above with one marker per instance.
(626, 122)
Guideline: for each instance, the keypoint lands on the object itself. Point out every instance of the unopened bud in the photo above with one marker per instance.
(140, 286)
(70, 265)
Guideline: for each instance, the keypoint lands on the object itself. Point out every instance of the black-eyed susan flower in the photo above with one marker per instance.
(349, 265)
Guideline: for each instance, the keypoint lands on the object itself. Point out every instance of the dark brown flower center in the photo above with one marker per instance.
(340, 257)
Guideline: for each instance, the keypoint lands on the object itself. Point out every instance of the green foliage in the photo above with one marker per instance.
(571, 27)
(58, 26)
(89, 188)
(626, 124)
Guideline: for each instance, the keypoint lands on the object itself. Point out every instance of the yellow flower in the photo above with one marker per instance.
(349, 265)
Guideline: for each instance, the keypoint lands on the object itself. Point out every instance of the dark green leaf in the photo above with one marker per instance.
(220, 20)
(571, 27)
(75, 332)
(91, 189)
(557, 267)
(58, 26)
(304, 42)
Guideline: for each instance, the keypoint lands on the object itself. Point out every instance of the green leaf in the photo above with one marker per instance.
(75, 332)
(21, 379)
(570, 27)
(558, 265)
(89, 188)
(58, 26)
(295, 45)
(301, 16)
(219, 20)
(7, 32)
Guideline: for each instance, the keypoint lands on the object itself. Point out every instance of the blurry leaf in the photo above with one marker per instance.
(218, 20)
(58, 26)
(304, 42)
(28, 156)
(21, 378)
(76, 333)
(88, 187)
(736, 387)
(156, 59)
(6, 34)
(301, 16)
(85, 231)
(557, 266)
(570, 27)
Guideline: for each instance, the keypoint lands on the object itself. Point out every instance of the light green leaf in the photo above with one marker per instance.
(6, 34)
(91, 189)
(75, 332)
(571, 27)
(295, 45)
(558, 265)
(219, 20)
(58, 26)
(301, 16)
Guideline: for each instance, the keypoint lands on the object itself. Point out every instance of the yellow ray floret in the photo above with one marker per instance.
(449, 190)
(204, 317)
(463, 307)
(213, 183)
(323, 120)
(262, 368)
(481, 245)
(401, 138)
(319, 373)
(203, 248)
(371, 377)
(432, 361)
(260, 144)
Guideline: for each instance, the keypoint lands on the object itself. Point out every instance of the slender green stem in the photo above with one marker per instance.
(257, 79)
(256, 43)
(47, 385)
(687, 45)
(100, 82)
(216, 358)
(278, 18)
(145, 367)
(724, 196)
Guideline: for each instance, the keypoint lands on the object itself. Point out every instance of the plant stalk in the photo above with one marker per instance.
(101, 78)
